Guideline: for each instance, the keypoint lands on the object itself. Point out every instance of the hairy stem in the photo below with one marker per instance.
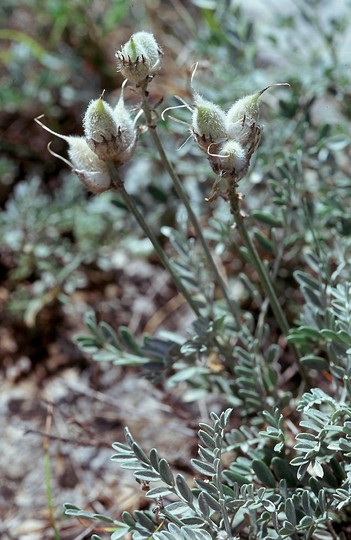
(232, 305)
(119, 187)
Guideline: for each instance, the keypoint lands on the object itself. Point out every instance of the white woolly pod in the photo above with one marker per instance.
(208, 121)
(153, 51)
(246, 107)
(99, 123)
(81, 156)
(243, 116)
(139, 58)
(100, 129)
(122, 117)
(126, 131)
(231, 164)
(91, 170)
(233, 158)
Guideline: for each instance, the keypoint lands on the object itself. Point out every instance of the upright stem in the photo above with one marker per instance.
(119, 186)
(261, 271)
(258, 265)
(233, 307)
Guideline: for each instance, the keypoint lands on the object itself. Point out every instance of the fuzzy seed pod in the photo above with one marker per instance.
(208, 120)
(153, 51)
(98, 121)
(246, 107)
(91, 170)
(231, 164)
(242, 118)
(81, 156)
(126, 131)
(208, 126)
(233, 159)
(139, 58)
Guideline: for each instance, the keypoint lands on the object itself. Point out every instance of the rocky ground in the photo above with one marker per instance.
(82, 407)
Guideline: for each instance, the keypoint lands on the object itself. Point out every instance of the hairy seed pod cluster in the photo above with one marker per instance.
(109, 135)
(229, 139)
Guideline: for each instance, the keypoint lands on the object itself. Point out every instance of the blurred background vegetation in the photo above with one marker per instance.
(56, 56)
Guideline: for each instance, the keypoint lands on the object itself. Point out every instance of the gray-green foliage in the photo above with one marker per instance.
(192, 512)
(264, 493)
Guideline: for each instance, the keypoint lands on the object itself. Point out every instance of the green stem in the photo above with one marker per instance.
(232, 305)
(119, 187)
(258, 265)
(262, 272)
(171, 517)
